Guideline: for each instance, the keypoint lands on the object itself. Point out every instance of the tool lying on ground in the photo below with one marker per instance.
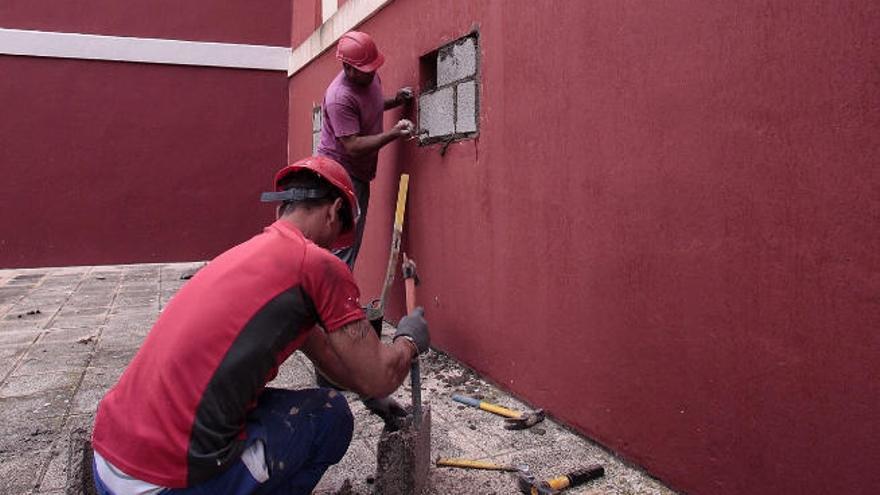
(529, 485)
(472, 464)
(514, 420)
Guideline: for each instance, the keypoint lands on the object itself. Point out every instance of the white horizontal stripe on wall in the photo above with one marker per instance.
(144, 50)
(350, 15)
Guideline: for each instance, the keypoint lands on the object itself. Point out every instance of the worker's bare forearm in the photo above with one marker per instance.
(355, 358)
(319, 352)
(399, 356)
(393, 102)
(363, 145)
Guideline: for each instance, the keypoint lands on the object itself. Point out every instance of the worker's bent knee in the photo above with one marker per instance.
(339, 426)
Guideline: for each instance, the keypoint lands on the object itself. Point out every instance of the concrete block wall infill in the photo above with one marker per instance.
(466, 109)
(456, 62)
(437, 111)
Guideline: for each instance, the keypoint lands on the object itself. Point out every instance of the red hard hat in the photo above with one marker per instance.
(358, 50)
(335, 174)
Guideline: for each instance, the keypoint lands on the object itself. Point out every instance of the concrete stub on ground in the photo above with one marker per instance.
(404, 458)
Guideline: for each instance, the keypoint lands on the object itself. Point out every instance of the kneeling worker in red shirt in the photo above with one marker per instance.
(192, 414)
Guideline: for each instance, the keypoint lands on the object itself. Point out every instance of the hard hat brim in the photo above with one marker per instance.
(372, 66)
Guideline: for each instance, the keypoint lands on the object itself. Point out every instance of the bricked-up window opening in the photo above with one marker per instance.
(317, 120)
(448, 103)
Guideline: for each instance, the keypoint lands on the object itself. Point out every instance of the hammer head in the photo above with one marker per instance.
(529, 485)
(525, 420)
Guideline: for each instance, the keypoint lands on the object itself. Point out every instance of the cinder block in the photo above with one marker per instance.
(457, 61)
(437, 113)
(466, 110)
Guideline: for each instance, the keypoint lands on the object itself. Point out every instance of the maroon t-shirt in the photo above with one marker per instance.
(177, 415)
(351, 110)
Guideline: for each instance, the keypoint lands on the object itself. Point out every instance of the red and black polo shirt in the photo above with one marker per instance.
(177, 415)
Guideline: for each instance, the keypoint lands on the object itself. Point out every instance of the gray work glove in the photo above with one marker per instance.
(389, 410)
(414, 327)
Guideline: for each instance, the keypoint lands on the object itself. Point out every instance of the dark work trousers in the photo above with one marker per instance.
(349, 254)
(303, 433)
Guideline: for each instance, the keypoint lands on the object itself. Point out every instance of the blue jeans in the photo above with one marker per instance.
(303, 433)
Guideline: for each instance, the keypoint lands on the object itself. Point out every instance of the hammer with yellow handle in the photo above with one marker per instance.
(529, 485)
(515, 420)
(472, 464)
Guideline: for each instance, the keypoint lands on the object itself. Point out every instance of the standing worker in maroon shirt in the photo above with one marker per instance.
(351, 131)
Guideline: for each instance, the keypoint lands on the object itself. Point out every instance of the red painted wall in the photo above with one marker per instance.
(108, 162)
(230, 21)
(667, 231)
(306, 18)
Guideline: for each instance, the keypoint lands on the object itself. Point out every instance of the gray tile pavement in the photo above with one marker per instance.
(66, 335)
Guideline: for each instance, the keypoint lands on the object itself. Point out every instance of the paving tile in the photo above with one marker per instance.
(55, 476)
(16, 319)
(133, 319)
(46, 308)
(99, 284)
(358, 467)
(51, 357)
(113, 358)
(9, 356)
(34, 384)
(453, 440)
(95, 384)
(22, 434)
(12, 294)
(92, 300)
(149, 309)
(73, 310)
(451, 480)
(68, 334)
(5, 306)
(18, 472)
(121, 341)
(18, 338)
(47, 403)
(75, 321)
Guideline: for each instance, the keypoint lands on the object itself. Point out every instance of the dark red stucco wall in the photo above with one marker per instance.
(231, 21)
(112, 162)
(107, 162)
(667, 231)
(306, 18)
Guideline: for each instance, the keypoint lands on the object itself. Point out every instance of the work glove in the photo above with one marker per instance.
(404, 94)
(391, 412)
(414, 327)
(408, 268)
